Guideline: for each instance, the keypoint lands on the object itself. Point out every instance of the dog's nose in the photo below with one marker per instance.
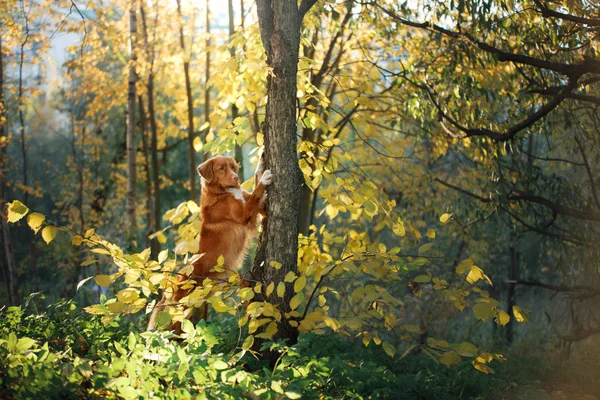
(235, 177)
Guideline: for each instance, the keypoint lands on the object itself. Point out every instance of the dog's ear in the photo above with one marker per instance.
(206, 170)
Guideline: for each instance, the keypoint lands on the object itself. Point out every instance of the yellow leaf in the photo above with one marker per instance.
(299, 284)
(35, 221)
(450, 358)
(399, 229)
(116, 307)
(88, 233)
(103, 280)
(197, 144)
(48, 234)
(296, 300)
(270, 289)
(502, 318)
(430, 233)
(220, 261)
(520, 314)
(248, 184)
(280, 289)
(193, 206)
(260, 139)
(76, 240)
(247, 345)
(445, 218)
(16, 211)
(290, 277)
(128, 295)
(162, 256)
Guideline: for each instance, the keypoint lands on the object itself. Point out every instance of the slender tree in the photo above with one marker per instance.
(154, 131)
(11, 265)
(239, 154)
(20, 100)
(190, 105)
(207, 72)
(131, 138)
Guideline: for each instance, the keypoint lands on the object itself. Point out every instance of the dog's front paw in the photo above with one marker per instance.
(266, 178)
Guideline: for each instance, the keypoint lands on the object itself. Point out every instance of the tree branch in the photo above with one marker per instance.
(575, 96)
(547, 12)
(560, 209)
(510, 132)
(573, 71)
(265, 25)
(589, 172)
(305, 6)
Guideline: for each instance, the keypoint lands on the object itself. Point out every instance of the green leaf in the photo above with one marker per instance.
(276, 386)
(484, 311)
(187, 326)
(163, 319)
(389, 349)
(24, 344)
(220, 364)
(422, 279)
(293, 395)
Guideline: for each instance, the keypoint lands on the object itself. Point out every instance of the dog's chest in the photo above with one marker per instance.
(238, 194)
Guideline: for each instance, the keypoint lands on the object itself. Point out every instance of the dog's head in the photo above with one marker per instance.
(220, 171)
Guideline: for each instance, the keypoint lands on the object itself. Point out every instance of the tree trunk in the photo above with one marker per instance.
(190, 107)
(131, 139)
(279, 23)
(207, 76)
(11, 266)
(155, 246)
(20, 106)
(510, 298)
(239, 154)
(144, 134)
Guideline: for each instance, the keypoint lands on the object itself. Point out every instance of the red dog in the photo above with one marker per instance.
(229, 221)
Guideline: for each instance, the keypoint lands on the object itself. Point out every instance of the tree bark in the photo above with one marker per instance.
(207, 76)
(11, 266)
(279, 23)
(510, 298)
(155, 246)
(131, 137)
(190, 107)
(239, 154)
(20, 105)
(144, 134)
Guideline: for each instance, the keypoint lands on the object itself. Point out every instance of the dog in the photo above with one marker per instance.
(230, 219)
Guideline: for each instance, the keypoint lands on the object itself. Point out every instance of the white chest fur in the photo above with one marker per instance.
(238, 194)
